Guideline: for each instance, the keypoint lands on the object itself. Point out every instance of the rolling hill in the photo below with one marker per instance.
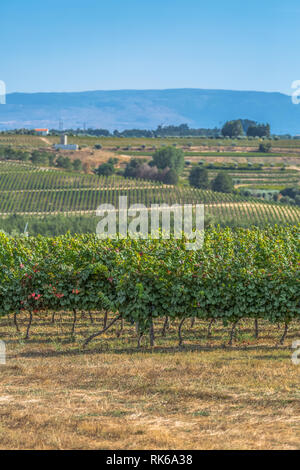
(124, 109)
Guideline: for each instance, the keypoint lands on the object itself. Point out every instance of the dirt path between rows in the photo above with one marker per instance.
(46, 141)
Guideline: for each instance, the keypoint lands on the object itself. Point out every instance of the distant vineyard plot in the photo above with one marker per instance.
(26, 190)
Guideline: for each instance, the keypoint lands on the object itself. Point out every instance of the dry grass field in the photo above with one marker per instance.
(204, 395)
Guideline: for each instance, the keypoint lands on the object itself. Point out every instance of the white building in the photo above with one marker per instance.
(66, 147)
(41, 131)
(64, 144)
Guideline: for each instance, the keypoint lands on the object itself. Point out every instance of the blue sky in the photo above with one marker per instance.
(72, 45)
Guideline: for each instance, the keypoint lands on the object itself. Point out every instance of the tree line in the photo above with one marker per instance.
(245, 127)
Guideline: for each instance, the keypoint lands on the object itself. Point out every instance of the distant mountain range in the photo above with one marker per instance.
(146, 109)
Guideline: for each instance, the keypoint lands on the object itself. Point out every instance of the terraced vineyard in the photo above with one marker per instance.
(55, 191)
(264, 177)
(256, 213)
(29, 190)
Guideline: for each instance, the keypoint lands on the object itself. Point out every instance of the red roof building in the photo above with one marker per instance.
(42, 131)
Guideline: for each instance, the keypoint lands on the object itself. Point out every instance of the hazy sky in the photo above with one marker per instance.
(71, 45)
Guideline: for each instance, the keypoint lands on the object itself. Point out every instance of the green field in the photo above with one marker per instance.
(30, 192)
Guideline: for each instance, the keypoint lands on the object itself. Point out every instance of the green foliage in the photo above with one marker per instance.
(198, 177)
(290, 196)
(51, 159)
(233, 129)
(132, 167)
(258, 130)
(138, 168)
(105, 169)
(291, 192)
(167, 131)
(265, 147)
(169, 157)
(171, 177)
(237, 274)
(64, 162)
(77, 164)
(223, 183)
(40, 158)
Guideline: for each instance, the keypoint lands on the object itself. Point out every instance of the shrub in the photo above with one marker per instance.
(265, 148)
(223, 183)
(170, 177)
(198, 177)
(170, 157)
(105, 169)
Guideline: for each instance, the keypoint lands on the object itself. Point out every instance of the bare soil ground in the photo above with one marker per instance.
(94, 158)
(205, 395)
